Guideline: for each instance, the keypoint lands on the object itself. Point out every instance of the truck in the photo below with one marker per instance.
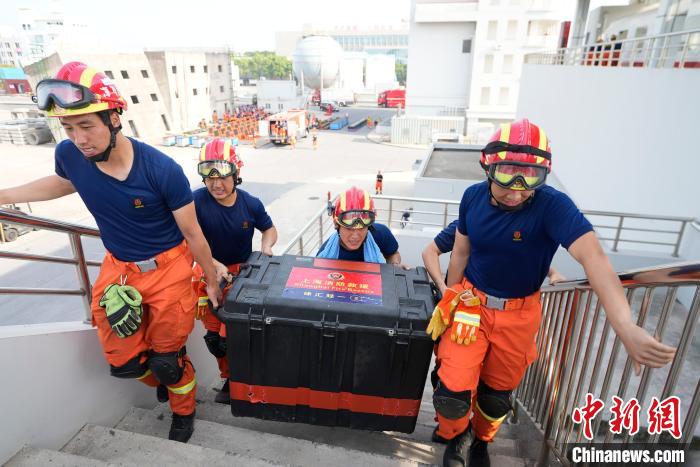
(392, 98)
(285, 124)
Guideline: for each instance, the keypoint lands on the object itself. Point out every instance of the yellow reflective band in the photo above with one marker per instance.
(184, 389)
(342, 202)
(227, 149)
(86, 77)
(202, 301)
(148, 372)
(467, 318)
(505, 136)
(543, 140)
(203, 153)
(490, 419)
(366, 205)
(539, 159)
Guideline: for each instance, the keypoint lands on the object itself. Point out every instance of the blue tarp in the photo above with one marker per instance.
(12, 73)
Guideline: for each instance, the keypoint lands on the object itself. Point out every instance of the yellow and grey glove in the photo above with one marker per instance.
(443, 312)
(122, 304)
(465, 326)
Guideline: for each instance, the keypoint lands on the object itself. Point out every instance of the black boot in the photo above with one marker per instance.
(479, 454)
(181, 428)
(456, 451)
(223, 396)
(436, 438)
(162, 393)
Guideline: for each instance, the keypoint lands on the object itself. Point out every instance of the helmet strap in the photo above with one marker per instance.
(105, 115)
(505, 207)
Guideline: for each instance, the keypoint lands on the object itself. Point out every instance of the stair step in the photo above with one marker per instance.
(30, 457)
(114, 445)
(272, 447)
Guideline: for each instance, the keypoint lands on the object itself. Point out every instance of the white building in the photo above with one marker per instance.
(278, 95)
(465, 57)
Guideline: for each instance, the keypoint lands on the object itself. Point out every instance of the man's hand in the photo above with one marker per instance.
(643, 348)
(214, 293)
(221, 271)
(266, 250)
(555, 276)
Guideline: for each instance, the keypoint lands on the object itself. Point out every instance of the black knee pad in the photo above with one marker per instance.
(166, 366)
(449, 404)
(493, 403)
(434, 378)
(131, 369)
(215, 343)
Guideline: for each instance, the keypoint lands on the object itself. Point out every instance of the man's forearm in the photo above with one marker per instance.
(607, 286)
(269, 238)
(394, 259)
(431, 260)
(42, 189)
(202, 255)
(455, 271)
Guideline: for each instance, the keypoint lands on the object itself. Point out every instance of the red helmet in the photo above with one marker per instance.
(78, 90)
(218, 158)
(518, 156)
(354, 208)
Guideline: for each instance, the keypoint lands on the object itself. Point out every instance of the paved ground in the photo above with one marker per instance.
(292, 184)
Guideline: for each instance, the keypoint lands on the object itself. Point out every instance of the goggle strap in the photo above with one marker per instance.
(494, 147)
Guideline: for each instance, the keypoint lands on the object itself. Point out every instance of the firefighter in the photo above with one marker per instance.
(509, 228)
(379, 183)
(142, 301)
(358, 237)
(229, 217)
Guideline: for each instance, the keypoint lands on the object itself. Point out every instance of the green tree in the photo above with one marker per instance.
(401, 70)
(263, 64)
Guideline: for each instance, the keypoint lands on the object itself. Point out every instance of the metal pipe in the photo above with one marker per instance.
(83, 276)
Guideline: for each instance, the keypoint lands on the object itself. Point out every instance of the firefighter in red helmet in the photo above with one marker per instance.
(142, 300)
(509, 228)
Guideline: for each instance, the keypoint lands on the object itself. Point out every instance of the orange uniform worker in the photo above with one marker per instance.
(142, 301)
(379, 184)
(509, 228)
(229, 217)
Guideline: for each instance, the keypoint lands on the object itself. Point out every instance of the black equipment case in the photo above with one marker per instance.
(328, 342)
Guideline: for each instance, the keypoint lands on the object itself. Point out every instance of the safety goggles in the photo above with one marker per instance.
(211, 169)
(356, 219)
(517, 177)
(67, 95)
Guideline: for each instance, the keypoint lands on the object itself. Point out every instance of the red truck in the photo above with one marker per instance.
(392, 98)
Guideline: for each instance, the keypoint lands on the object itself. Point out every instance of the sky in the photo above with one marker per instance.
(240, 25)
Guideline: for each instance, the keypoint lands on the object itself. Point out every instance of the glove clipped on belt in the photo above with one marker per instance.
(122, 304)
(458, 304)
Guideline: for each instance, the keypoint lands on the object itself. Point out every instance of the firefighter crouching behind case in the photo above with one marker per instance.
(228, 217)
(509, 228)
(142, 300)
(358, 237)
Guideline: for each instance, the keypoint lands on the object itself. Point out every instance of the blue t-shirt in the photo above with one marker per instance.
(382, 236)
(511, 252)
(229, 229)
(135, 215)
(445, 240)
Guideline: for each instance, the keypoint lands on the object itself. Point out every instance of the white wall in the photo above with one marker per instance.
(623, 139)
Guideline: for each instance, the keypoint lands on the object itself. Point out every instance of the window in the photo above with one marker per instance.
(466, 46)
(280, 106)
(267, 106)
(507, 64)
(194, 91)
(512, 30)
(135, 99)
(154, 97)
(134, 131)
(191, 68)
(109, 74)
(503, 96)
(492, 30)
(485, 96)
(144, 73)
(206, 69)
(174, 68)
(220, 68)
(165, 122)
(125, 75)
(488, 63)
(221, 89)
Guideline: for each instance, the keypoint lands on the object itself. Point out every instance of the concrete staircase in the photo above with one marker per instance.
(140, 438)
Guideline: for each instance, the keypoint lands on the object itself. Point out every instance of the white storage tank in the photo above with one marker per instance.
(317, 58)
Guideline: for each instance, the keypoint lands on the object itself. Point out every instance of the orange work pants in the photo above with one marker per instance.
(504, 348)
(168, 317)
(378, 186)
(211, 322)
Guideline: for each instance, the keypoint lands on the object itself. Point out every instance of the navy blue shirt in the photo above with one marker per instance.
(229, 229)
(511, 252)
(445, 240)
(382, 236)
(135, 215)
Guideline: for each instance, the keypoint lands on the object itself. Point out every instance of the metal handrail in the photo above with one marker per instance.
(670, 50)
(575, 350)
(75, 233)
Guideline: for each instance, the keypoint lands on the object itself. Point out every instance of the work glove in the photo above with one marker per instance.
(122, 304)
(466, 325)
(453, 297)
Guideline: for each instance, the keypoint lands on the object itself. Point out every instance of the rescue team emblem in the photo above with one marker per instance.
(137, 203)
(245, 224)
(336, 276)
(517, 236)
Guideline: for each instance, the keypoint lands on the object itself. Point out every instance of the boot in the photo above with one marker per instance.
(162, 393)
(223, 396)
(478, 453)
(436, 438)
(181, 428)
(456, 451)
